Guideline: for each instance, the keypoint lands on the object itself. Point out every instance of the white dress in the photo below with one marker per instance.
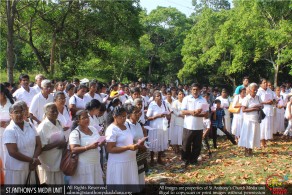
(237, 117)
(49, 170)
(65, 120)
(137, 132)
(250, 131)
(279, 120)
(4, 117)
(158, 137)
(121, 167)
(267, 123)
(16, 171)
(177, 133)
(89, 169)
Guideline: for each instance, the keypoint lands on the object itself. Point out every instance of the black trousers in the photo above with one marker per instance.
(214, 136)
(191, 145)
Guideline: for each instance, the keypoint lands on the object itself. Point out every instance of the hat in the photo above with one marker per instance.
(84, 81)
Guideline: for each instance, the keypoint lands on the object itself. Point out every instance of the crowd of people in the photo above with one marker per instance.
(117, 129)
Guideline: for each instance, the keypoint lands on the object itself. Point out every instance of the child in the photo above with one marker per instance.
(218, 121)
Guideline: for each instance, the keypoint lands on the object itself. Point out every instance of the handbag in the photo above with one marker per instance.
(261, 115)
(37, 179)
(231, 109)
(69, 161)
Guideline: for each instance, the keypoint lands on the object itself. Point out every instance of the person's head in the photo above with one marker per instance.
(270, 85)
(81, 119)
(133, 112)
(173, 92)
(119, 114)
(180, 94)
(76, 82)
(224, 93)
(218, 103)
(24, 80)
(60, 98)
(81, 90)
(278, 90)
(263, 83)
(135, 92)
(242, 92)
(163, 89)
(245, 81)
(121, 87)
(46, 86)
(195, 90)
(51, 111)
(38, 79)
(8, 86)
(206, 95)
(127, 90)
(204, 88)
(168, 94)
(5, 94)
(59, 86)
(92, 87)
(114, 87)
(138, 103)
(144, 91)
(157, 96)
(93, 107)
(102, 110)
(70, 88)
(283, 88)
(16, 112)
(253, 88)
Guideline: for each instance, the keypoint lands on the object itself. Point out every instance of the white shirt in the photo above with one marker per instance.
(4, 116)
(88, 98)
(50, 133)
(177, 108)
(136, 130)
(77, 101)
(37, 105)
(94, 122)
(24, 139)
(65, 120)
(153, 110)
(191, 103)
(268, 109)
(37, 89)
(124, 98)
(250, 102)
(22, 94)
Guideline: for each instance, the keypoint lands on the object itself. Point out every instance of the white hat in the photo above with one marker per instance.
(83, 81)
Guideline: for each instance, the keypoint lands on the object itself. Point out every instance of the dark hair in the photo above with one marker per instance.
(117, 111)
(92, 83)
(262, 79)
(76, 80)
(246, 77)
(196, 85)
(206, 94)
(82, 86)
(93, 104)
(7, 84)
(69, 87)
(102, 107)
(217, 101)
(58, 83)
(57, 94)
(130, 109)
(6, 93)
(99, 86)
(168, 91)
(23, 76)
(113, 102)
(180, 90)
(241, 89)
(76, 118)
(135, 89)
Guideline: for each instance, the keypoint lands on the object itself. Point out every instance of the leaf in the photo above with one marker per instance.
(247, 163)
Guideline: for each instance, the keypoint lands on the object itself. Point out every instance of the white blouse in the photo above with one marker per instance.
(177, 108)
(153, 110)
(77, 101)
(250, 102)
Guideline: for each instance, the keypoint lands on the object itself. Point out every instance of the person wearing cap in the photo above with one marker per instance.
(38, 80)
(25, 92)
(36, 109)
(245, 81)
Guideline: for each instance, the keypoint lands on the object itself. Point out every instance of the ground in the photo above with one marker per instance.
(228, 165)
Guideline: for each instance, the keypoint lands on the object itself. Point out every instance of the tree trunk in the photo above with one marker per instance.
(276, 75)
(10, 11)
(52, 59)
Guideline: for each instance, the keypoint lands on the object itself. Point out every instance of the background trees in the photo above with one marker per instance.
(218, 44)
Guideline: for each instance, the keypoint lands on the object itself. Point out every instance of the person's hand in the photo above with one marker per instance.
(102, 143)
(3, 124)
(92, 146)
(133, 147)
(66, 128)
(62, 144)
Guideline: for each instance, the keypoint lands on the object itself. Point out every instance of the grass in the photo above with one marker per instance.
(228, 165)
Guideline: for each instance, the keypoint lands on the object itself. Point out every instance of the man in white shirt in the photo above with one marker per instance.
(24, 93)
(38, 80)
(36, 110)
(193, 125)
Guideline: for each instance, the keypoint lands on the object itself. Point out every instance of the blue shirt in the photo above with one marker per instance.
(219, 118)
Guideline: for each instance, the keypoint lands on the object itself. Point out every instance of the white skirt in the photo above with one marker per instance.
(279, 122)
(18, 177)
(236, 124)
(87, 174)
(176, 136)
(250, 134)
(158, 139)
(267, 128)
(122, 173)
(50, 177)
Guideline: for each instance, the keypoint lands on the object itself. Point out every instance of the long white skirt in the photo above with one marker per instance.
(236, 124)
(176, 136)
(171, 127)
(250, 134)
(18, 177)
(87, 174)
(158, 139)
(279, 122)
(267, 128)
(122, 173)
(50, 177)
(227, 120)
